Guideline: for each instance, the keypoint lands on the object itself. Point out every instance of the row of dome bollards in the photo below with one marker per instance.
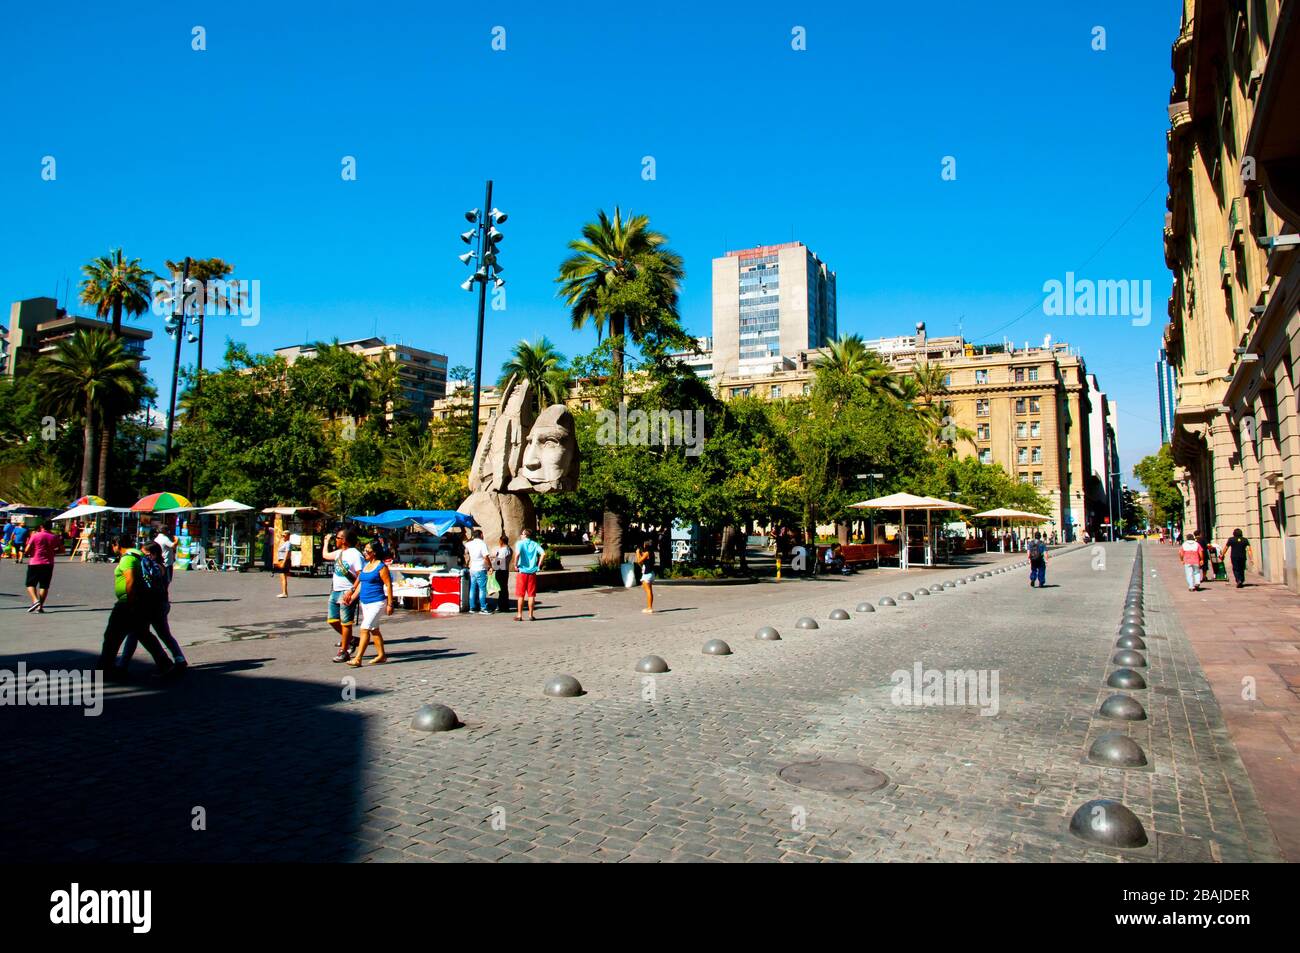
(1105, 821)
(437, 717)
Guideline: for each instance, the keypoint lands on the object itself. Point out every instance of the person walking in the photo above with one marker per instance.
(155, 609)
(342, 612)
(476, 561)
(526, 563)
(128, 615)
(1207, 568)
(501, 569)
(1192, 555)
(168, 545)
(645, 564)
(373, 591)
(7, 541)
(1037, 561)
(40, 570)
(283, 563)
(19, 540)
(1238, 549)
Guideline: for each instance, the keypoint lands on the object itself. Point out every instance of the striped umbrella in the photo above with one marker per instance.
(88, 501)
(161, 503)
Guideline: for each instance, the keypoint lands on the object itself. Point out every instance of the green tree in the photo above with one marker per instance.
(1156, 473)
(90, 376)
(39, 485)
(539, 363)
(115, 285)
(623, 279)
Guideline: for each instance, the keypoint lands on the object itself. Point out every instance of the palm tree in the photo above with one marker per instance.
(848, 355)
(623, 279)
(539, 363)
(203, 271)
(114, 285)
(385, 387)
(90, 375)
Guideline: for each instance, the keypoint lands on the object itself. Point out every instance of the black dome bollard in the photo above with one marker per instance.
(887, 601)
(906, 597)
(1126, 678)
(807, 622)
(767, 634)
(652, 665)
(1117, 751)
(716, 647)
(562, 686)
(839, 615)
(1129, 659)
(434, 717)
(1122, 708)
(1130, 642)
(1132, 628)
(866, 607)
(923, 591)
(1108, 823)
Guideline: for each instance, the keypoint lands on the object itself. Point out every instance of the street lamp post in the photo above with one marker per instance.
(484, 237)
(176, 328)
(871, 515)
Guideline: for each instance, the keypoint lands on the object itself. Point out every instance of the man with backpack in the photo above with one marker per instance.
(129, 615)
(154, 608)
(1037, 561)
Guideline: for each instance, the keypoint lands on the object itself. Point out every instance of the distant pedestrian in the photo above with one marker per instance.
(373, 591)
(526, 563)
(7, 541)
(168, 545)
(1207, 566)
(476, 559)
(1192, 555)
(19, 540)
(1238, 549)
(40, 546)
(501, 569)
(645, 563)
(1037, 561)
(283, 563)
(342, 611)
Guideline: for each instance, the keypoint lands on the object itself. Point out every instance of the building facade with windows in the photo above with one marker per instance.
(1231, 241)
(423, 374)
(38, 325)
(769, 301)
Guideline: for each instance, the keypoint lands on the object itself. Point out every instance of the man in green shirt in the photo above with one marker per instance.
(129, 614)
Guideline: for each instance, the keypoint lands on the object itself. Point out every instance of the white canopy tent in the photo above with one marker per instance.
(1002, 514)
(88, 509)
(225, 506)
(910, 501)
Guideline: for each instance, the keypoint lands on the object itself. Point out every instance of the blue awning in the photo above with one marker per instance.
(436, 522)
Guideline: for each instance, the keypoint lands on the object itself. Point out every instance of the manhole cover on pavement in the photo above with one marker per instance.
(833, 777)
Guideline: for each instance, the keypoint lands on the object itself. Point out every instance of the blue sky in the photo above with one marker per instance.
(236, 152)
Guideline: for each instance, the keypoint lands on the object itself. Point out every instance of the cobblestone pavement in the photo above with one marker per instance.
(262, 745)
(1248, 641)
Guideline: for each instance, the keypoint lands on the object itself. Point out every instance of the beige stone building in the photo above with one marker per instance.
(1231, 242)
(423, 374)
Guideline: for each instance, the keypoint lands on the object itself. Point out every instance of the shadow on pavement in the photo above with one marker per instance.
(276, 765)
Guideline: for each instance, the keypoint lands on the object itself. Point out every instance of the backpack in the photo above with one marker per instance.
(155, 578)
(1036, 549)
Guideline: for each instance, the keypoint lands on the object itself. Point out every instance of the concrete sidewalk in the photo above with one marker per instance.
(1248, 643)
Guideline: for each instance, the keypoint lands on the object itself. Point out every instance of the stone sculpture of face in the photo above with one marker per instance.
(550, 460)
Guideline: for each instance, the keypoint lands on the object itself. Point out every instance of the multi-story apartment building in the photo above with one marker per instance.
(37, 325)
(769, 301)
(423, 373)
(1231, 242)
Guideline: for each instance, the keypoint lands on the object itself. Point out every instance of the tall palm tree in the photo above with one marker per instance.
(115, 284)
(89, 375)
(848, 355)
(539, 363)
(203, 271)
(385, 380)
(623, 279)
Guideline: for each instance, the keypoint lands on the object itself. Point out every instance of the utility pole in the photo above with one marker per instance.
(484, 236)
(177, 330)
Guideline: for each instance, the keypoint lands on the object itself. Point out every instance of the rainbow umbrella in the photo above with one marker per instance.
(161, 503)
(88, 501)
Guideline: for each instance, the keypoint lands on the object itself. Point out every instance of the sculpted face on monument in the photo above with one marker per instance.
(550, 457)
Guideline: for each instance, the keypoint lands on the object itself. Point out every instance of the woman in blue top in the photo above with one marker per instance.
(373, 590)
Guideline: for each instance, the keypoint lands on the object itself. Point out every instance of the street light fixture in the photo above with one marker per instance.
(485, 251)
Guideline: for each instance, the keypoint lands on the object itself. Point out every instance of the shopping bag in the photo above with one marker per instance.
(629, 575)
(493, 587)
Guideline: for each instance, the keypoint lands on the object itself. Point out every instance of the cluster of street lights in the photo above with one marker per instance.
(483, 238)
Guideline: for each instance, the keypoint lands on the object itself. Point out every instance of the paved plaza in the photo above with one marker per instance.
(264, 743)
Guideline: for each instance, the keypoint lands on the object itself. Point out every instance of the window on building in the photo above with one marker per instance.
(1022, 455)
(1024, 478)
(1020, 405)
(981, 408)
(1020, 430)
(1035, 428)
(986, 455)
(1038, 479)
(1036, 455)
(982, 431)
(981, 377)
(1033, 373)
(1033, 405)
(1019, 375)
(947, 380)
(776, 391)
(807, 389)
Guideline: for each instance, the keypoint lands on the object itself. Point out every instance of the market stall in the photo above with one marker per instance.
(306, 528)
(233, 532)
(427, 557)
